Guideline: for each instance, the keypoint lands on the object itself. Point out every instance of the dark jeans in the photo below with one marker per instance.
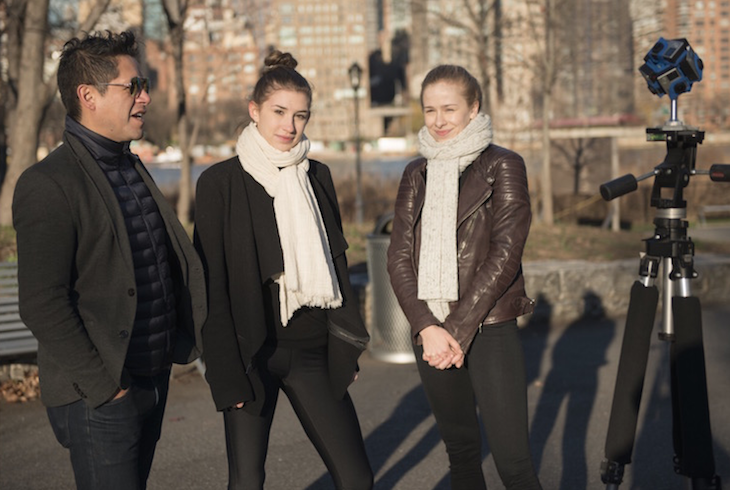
(330, 424)
(494, 376)
(112, 446)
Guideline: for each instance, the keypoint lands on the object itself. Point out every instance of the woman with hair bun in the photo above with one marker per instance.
(282, 313)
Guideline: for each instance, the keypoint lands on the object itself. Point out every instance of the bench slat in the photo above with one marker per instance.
(18, 347)
(15, 338)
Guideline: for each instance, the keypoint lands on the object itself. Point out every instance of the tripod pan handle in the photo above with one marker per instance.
(720, 172)
(618, 187)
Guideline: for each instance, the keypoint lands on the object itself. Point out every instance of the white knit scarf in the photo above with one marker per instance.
(438, 275)
(309, 277)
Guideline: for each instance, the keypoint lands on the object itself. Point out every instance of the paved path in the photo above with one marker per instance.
(571, 371)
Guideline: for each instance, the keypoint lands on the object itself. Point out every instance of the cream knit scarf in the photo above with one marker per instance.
(309, 277)
(438, 275)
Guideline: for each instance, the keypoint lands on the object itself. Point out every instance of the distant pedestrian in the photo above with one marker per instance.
(283, 315)
(462, 216)
(109, 281)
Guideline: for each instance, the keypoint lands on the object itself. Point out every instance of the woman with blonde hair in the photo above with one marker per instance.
(462, 216)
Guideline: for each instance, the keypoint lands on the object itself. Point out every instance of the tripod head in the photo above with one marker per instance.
(671, 68)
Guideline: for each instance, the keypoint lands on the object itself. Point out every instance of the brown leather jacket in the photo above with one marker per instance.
(493, 223)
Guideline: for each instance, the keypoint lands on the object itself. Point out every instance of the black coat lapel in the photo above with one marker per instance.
(265, 233)
(106, 194)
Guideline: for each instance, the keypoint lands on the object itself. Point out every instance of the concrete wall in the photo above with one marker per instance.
(565, 291)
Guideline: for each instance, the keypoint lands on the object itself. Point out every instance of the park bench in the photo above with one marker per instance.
(717, 209)
(15, 338)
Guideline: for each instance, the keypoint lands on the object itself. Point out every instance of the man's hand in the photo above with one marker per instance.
(119, 394)
(440, 349)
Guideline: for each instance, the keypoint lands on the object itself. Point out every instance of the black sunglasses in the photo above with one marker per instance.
(135, 85)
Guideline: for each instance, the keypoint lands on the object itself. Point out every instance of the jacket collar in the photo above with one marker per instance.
(475, 190)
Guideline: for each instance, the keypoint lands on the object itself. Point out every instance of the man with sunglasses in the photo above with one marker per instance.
(109, 282)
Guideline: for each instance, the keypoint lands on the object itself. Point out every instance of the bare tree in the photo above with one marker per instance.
(176, 11)
(549, 76)
(542, 27)
(479, 22)
(575, 153)
(188, 123)
(31, 94)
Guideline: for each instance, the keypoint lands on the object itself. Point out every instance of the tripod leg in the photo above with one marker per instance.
(691, 413)
(629, 382)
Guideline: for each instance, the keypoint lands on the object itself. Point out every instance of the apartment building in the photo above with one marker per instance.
(221, 66)
(327, 37)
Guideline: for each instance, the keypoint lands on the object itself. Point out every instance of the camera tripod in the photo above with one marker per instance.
(671, 252)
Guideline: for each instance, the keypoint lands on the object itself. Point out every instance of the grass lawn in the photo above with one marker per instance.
(561, 242)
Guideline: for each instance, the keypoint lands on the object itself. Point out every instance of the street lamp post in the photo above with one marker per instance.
(355, 79)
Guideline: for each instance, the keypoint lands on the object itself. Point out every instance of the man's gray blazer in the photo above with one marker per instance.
(76, 276)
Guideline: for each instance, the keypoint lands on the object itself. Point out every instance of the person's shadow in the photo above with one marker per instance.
(413, 409)
(534, 338)
(573, 378)
(385, 440)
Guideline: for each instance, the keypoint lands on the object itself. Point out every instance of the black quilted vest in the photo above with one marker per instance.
(153, 333)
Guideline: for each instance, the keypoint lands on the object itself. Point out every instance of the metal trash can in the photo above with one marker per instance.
(390, 332)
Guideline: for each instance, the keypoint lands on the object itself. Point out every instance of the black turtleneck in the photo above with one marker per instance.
(153, 333)
(100, 147)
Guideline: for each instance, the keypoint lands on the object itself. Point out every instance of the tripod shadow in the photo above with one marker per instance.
(573, 379)
(385, 440)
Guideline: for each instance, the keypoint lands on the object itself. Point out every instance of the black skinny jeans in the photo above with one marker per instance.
(330, 424)
(493, 375)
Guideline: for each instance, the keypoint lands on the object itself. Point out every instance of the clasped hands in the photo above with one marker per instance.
(440, 349)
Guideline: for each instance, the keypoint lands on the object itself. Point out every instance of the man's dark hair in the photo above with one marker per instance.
(92, 61)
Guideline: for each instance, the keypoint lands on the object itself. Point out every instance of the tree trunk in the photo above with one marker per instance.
(547, 179)
(26, 59)
(4, 93)
(175, 11)
(185, 195)
(486, 83)
(25, 130)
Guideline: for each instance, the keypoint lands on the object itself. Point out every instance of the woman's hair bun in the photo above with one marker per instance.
(276, 59)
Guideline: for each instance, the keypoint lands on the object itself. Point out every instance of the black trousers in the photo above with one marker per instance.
(493, 375)
(330, 424)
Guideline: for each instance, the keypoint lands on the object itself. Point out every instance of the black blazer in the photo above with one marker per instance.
(237, 239)
(76, 276)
